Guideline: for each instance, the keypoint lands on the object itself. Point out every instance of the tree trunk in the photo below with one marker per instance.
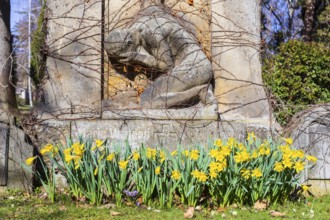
(308, 19)
(7, 89)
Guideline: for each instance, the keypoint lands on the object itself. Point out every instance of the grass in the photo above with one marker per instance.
(18, 205)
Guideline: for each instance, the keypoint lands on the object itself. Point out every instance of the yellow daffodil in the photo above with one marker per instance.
(214, 153)
(67, 151)
(99, 143)
(151, 153)
(287, 163)
(194, 154)
(225, 151)
(136, 156)
(220, 157)
(256, 173)
(46, 149)
(299, 166)
(76, 164)
(246, 173)
(68, 158)
(217, 166)
(157, 170)
(278, 167)
(218, 143)
(231, 142)
(213, 175)
(263, 150)
(251, 137)
(241, 146)
(162, 156)
(202, 177)
(173, 153)
(305, 188)
(110, 157)
(186, 153)
(96, 171)
(30, 160)
(288, 141)
(78, 149)
(311, 158)
(254, 155)
(285, 149)
(123, 164)
(195, 174)
(242, 156)
(175, 174)
(297, 154)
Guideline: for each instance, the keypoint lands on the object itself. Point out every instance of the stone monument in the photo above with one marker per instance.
(161, 73)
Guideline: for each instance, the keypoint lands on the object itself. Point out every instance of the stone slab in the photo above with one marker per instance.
(167, 133)
(194, 113)
(319, 187)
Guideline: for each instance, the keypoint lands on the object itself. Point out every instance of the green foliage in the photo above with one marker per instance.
(225, 172)
(38, 55)
(323, 31)
(299, 75)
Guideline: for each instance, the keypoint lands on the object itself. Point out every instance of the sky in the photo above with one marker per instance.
(17, 6)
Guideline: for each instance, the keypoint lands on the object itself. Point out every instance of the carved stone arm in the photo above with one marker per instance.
(144, 59)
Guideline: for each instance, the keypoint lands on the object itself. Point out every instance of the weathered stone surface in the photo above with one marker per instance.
(14, 150)
(167, 133)
(51, 131)
(74, 62)
(310, 130)
(208, 112)
(235, 54)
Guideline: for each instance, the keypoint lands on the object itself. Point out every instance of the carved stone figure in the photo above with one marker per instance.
(158, 40)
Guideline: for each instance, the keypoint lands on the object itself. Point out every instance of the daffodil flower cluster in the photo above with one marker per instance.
(227, 171)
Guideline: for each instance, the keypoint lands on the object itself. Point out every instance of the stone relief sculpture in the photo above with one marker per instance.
(158, 40)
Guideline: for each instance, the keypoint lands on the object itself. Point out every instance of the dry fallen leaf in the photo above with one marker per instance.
(274, 213)
(113, 213)
(221, 209)
(189, 213)
(62, 208)
(260, 205)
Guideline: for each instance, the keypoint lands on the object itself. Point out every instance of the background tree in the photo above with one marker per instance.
(7, 89)
(20, 43)
(296, 67)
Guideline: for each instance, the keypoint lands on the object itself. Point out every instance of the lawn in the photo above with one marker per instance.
(18, 205)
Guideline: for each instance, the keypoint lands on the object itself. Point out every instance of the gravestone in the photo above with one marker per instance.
(4, 148)
(310, 130)
(14, 150)
(81, 76)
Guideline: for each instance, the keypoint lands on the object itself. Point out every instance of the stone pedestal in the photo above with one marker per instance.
(155, 128)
